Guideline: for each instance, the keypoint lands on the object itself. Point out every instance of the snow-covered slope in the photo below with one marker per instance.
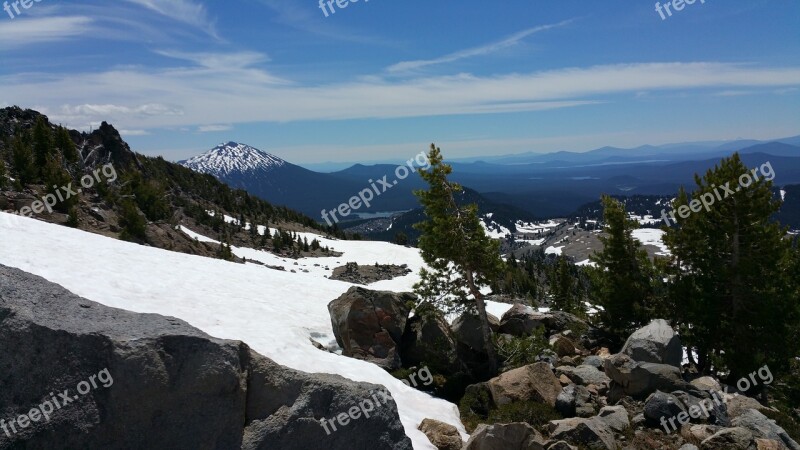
(233, 158)
(275, 312)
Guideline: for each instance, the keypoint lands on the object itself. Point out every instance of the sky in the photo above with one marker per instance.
(380, 80)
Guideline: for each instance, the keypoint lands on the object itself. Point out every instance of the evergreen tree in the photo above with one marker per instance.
(564, 289)
(733, 286)
(2, 173)
(401, 238)
(453, 243)
(623, 282)
(54, 176)
(66, 146)
(22, 157)
(42, 143)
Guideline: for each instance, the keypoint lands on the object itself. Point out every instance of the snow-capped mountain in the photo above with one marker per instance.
(233, 158)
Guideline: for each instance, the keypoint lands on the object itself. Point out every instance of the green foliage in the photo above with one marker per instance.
(521, 351)
(133, 225)
(454, 245)
(3, 179)
(42, 142)
(734, 274)
(564, 289)
(531, 412)
(22, 159)
(401, 238)
(54, 176)
(624, 281)
(65, 145)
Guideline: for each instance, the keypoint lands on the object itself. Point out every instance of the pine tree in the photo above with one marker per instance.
(623, 282)
(54, 177)
(564, 289)
(453, 243)
(42, 143)
(733, 285)
(64, 143)
(2, 173)
(22, 157)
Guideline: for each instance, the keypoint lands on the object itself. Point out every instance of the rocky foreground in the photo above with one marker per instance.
(77, 374)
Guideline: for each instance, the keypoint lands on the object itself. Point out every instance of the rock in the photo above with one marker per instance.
(688, 447)
(706, 384)
(660, 404)
(574, 399)
(708, 408)
(738, 404)
(764, 428)
(369, 325)
(584, 375)
(564, 380)
(532, 382)
(616, 417)
(442, 435)
(353, 273)
(729, 439)
(641, 379)
(510, 436)
(428, 341)
(594, 361)
(561, 445)
(520, 320)
(470, 345)
(700, 432)
(769, 444)
(591, 433)
(655, 343)
(559, 321)
(169, 385)
(563, 346)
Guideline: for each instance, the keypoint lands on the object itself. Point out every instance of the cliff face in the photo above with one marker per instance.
(77, 374)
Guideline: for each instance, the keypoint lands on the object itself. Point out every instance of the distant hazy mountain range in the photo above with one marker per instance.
(537, 185)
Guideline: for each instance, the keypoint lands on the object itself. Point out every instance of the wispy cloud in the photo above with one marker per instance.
(185, 11)
(487, 49)
(25, 31)
(201, 96)
(213, 128)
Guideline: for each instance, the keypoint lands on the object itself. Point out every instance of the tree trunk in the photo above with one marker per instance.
(485, 328)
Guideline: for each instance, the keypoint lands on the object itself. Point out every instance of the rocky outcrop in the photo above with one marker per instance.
(470, 344)
(642, 379)
(655, 343)
(353, 273)
(592, 433)
(369, 325)
(147, 381)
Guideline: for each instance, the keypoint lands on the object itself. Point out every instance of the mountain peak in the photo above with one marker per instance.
(233, 157)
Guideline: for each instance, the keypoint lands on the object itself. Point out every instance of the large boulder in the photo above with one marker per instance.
(429, 341)
(764, 428)
(574, 400)
(616, 417)
(655, 343)
(642, 379)
(470, 344)
(509, 436)
(520, 320)
(591, 433)
(369, 325)
(148, 381)
(532, 382)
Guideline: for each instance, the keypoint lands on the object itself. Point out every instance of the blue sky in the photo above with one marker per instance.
(381, 79)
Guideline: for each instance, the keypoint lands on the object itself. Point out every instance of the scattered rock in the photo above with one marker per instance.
(442, 435)
(616, 417)
(356, 274)
(511, 436)
(662, 405)
(532, 382)
(428, 340)
(641, 379)
(520, 320)
(592, 433)
(729, 439)
(584, 375)
(764, 428)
